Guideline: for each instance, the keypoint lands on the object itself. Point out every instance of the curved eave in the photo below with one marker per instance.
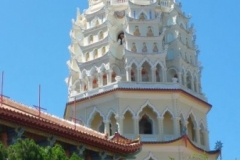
(185, 141)
(46, 126)
(141, 5)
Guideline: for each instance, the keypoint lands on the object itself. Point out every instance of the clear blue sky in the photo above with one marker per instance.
(34, 36)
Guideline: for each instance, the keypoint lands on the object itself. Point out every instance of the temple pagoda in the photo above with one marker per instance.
(134, 70)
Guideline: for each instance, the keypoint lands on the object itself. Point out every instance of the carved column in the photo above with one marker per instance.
(164, 74)
(197, 132)
(136, 126)
(128, 74)
(176, 127)
(139, 78)
(120, 124)
(106, 127)
(185, 80)
(90, 79)
(180, 78)
(109, 76)
(206, 138)
(100, 79)
(160, 128)
(82, 84)
(153, 74)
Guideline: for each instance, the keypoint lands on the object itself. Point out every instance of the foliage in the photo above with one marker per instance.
(3, 152)
(24, 150)
(28, 150)
(75, 157)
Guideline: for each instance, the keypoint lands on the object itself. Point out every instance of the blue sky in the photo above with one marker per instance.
(34, 36)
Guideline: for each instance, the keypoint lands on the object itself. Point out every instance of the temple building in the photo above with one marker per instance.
(134, 71)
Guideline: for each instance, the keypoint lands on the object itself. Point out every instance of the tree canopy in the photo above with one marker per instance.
(27, 149)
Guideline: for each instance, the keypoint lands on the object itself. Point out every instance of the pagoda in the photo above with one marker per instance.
(134, 70)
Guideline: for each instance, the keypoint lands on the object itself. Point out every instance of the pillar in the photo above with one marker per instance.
(176, 126)
(100, 79)
(197, 132)
(139, 78)
(106, 127)
(160, 128)
(153, 74)
(192, 83)
(164, 74)
(180, 77)
(120, 124)
(128, 74)
(109, 76)
(185, 80)
(136, 126)
(90, 79)
(206, 140)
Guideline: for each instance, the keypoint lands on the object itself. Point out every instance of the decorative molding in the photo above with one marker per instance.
(92, 114)
(150, 155)
(147, 103)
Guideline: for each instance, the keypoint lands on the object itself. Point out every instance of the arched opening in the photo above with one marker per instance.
(172, 75)
(90, 39)
(134, 73)
(189, 80)
(97, 123)
(100, 36)
(87, 57)
(146, 72)
(116, 72)
(128, 124)
(145, 125)
(168, 124)
(103, 50)
(148, 121)
(95, 53)
(94, 74)
(96, 23)
(191, 130)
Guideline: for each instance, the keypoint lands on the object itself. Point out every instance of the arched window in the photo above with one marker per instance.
(97, 23)
(145, 125)
(95, 53)
(191, 130)
(202, 138)
(91, 39)
(103, 50)
(100, 35)
(170, 37)
(87, 57)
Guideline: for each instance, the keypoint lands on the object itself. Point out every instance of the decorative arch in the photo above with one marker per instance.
(84, 73)
(192, 115)
(92, 114)
(172, 72)
(160, 63)
(142, 15)
(145, 59)
(150, 156)
(110, 113)
(167, 110)
(170, 37)
(100, 35)
(133, 62)
(147, 103)
(128, 109)
(93, 70)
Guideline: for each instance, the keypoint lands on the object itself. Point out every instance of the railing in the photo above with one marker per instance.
(114, 2)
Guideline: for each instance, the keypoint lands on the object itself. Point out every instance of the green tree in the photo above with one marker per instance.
(75, 157)
(54, 153)
(3, 152)
(25, 150)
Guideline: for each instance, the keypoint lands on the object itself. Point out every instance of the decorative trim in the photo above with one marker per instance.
(128, 109)
(150, 155)
(147, 103)
(92, 114)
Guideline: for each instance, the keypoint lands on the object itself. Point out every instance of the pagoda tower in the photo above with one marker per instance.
(134, 70)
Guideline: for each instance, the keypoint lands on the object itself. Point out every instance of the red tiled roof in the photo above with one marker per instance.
(25, 116)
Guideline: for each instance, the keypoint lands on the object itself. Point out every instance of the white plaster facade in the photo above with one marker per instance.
(146, 82)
